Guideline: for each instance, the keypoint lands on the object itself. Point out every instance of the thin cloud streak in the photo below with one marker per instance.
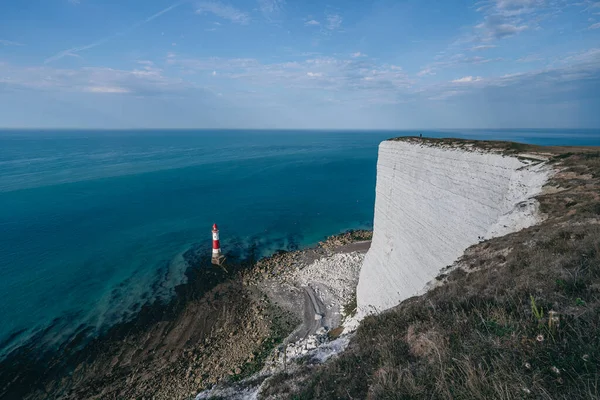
(75, 50)
(483, 47)
(467, 79)
(158, 14)
(4, 42)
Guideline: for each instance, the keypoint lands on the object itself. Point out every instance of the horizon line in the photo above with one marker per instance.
(291, 129)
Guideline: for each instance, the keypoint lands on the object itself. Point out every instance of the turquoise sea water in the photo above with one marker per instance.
(93, 223)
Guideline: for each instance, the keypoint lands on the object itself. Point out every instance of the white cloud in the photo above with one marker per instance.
(505, 18)
(358, 54)
(591, 56)
(312, 22)
(269, 7)
(107, 89)
(350, 82)
(454, 61)
(445, 95)
(500, 19)
(595, 26)
(578, 71)
(496, 27)
(517, 7)
(468, 79)
(9, 43)
(74, 2)
(426, 71)
(334, 22)
(483, 47)
(148, 81)
(224, 11)
(359, 76)
(530, 58)
(214, 73)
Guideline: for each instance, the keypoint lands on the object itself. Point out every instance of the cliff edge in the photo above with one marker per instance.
(434, 199)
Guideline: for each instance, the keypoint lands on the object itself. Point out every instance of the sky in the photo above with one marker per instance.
(300, 64)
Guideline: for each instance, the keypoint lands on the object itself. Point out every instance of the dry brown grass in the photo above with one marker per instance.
(504, 147)
(519, 320)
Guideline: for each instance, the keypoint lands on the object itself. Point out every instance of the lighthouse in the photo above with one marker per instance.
(217, 257)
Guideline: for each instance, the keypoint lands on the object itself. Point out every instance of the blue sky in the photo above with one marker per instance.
(300, 64)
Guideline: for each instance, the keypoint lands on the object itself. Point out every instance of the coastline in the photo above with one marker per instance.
(487, 306)
(225, 328)
(176, 339)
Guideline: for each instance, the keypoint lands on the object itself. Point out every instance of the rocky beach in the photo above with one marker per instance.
(223, 326)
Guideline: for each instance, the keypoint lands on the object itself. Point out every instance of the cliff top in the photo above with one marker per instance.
(497, 146)
(577, 170)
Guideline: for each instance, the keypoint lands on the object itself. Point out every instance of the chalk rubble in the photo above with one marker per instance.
(434, 201)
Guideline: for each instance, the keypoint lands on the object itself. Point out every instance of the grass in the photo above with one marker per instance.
(349, 309)
(503, 147)
(519, 319)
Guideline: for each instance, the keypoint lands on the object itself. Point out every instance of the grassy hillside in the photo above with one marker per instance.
(518, 317)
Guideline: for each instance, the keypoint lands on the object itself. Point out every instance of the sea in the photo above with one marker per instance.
(94, 224)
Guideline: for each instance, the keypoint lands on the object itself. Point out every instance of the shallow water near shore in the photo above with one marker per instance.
(93, 224)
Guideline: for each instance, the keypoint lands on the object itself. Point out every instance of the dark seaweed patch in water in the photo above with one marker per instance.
(37, 362)
(12, 338)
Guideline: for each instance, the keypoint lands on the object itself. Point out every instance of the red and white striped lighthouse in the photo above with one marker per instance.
(216, 244)
(217, 257)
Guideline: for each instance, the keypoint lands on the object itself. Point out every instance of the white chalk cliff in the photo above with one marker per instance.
(432, 202)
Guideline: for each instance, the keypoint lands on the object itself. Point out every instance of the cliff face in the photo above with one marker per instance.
(434, 201)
